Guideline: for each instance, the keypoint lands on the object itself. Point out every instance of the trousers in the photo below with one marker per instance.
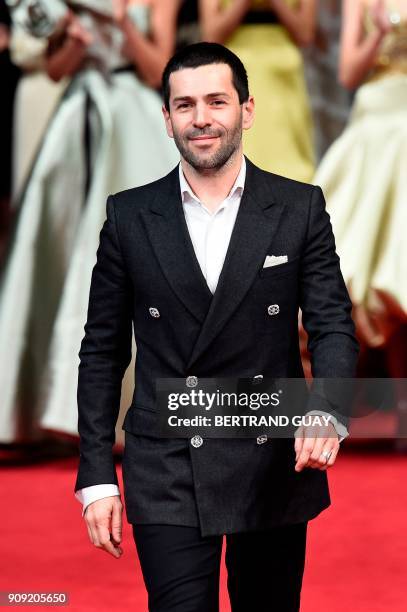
(181, 568)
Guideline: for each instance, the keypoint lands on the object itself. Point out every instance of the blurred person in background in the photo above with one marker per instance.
(188, 24)
(105, 135)
(330, 101)
(36, 98)
(364, 176)
(267, 35)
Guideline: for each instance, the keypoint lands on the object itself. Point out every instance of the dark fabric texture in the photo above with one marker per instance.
(146, 259)
(260, 16)
(181, 568)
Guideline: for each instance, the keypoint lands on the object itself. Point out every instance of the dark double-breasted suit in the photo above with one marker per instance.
(147, 275)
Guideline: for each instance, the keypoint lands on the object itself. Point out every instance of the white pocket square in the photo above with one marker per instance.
(274, 260)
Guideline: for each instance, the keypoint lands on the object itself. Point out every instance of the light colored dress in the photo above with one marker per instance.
(34, 103)
(281, 138)
(106, 135)
(364, 178)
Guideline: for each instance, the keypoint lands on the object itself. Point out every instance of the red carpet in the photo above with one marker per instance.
(357, 549)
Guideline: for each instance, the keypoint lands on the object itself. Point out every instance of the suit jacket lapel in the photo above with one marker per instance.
(256, 223)
(255, 226)
(168, 233)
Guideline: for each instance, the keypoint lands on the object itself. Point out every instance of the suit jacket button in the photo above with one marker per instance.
(262, 439)
(154, 312)
(273, 309)
(191, 381)
(196, 441)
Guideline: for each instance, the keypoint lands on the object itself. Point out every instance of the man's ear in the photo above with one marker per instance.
(167, 120)
(248, 113)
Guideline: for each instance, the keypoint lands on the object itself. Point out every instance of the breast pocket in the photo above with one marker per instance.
(275, 299)
(291, 267)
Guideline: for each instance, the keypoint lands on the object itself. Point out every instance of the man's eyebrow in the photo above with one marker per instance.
(215, 94)
(182, 98)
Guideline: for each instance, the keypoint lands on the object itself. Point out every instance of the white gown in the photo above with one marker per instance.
(45, 283)
(364, 178)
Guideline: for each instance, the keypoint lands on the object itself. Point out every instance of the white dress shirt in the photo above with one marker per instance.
(210, 234)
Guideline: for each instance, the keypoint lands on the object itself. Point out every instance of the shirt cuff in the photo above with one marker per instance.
(87, 495)
(339, 427)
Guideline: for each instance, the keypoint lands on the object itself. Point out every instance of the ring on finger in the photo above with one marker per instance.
(327, 455)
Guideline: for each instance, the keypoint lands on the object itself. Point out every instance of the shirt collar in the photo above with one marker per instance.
(187, 194)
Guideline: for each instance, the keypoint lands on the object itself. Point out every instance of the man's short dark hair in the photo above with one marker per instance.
(203, 54)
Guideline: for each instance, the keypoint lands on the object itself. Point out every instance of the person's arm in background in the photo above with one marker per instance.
(67, 50)
(105, 354)
(299, 21)
(149, 53)
(4, 37)
(326, 314)
(218, 23)
(358, 51)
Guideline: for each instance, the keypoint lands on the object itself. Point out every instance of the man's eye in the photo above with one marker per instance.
(218, 102)
(183, 105)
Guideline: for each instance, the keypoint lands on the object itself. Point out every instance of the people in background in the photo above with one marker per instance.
(364, 178)
(267, 36)
(364, 173)
(330, 100)
(36, 98)
(106, 135)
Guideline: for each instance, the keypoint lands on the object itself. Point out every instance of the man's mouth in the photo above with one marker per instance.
(204, 138)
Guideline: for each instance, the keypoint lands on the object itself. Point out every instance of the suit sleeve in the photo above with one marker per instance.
(326, 310)
(104, 355)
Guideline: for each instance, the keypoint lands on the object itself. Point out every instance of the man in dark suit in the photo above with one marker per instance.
(211, 263)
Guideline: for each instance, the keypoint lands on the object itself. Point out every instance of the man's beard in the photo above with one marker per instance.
(217, 159)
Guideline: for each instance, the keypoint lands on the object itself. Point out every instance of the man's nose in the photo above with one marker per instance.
(202, 116)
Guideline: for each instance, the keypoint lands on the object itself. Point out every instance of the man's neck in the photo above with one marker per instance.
(212, 186)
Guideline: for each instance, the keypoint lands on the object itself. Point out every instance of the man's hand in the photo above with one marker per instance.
(104, 522)
(311, 442)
